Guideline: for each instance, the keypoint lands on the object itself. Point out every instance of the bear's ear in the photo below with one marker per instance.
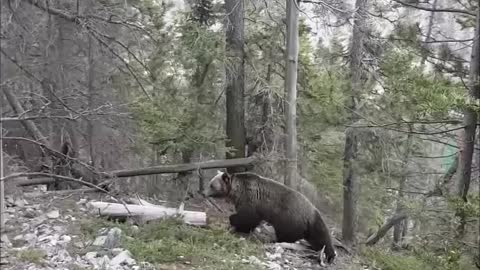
(226, 177)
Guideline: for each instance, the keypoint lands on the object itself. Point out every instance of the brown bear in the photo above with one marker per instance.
(258, 199)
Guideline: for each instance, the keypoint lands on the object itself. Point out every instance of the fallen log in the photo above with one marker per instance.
(186, 167)
(147, 212)
(177, 168)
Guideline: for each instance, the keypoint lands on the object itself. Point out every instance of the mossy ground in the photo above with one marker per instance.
(387, 260)
(170, 242)
(31, 255)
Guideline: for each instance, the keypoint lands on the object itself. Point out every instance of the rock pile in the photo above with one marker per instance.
(38, 237)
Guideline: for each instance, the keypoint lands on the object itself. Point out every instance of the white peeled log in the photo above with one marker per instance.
(147, 212)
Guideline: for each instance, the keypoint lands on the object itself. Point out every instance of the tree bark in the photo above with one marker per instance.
(2, 185)
(372, 240)
(470, 122)
(350, 174)
(91, 100)
(234, 72)
(291, 63)
(267, 129)
(399, 229)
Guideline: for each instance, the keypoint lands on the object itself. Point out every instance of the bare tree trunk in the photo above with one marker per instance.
(267, 114)
(235, 78)
(428, 36)
(291, 93)
(2, 185)
(51, 80)
(470, 121)
(91, 100)
(350, 174)
(399, 230)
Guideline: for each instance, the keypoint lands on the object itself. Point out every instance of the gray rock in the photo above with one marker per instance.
(273, 256)
(29, 213)
(53, 214)
(5, 242)
(19, 203)
(103, 262)
(100, 241)
(91, 257)
(113, 238)
(117, 251)
(9, 200)
(279, 250)
(58, 228)
(61, 257)
(65, 239)
(273, 266)
(103, 231)
(30, 238)
(125, 257)
(78, 245)
(39, 220)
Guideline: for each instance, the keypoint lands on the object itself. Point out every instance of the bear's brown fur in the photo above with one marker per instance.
(257, 198)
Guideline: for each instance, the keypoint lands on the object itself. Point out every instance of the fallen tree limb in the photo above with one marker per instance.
(186, 167)
(29, 125)
(372, 240)
(55, 176)
(147, 212)
(35, 117)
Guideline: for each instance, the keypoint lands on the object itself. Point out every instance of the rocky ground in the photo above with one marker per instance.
(42, 232)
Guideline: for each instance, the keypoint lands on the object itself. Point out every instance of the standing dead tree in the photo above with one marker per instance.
(350, 171)
(291, 93)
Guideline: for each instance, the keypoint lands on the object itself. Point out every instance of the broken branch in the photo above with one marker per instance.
(372, 240)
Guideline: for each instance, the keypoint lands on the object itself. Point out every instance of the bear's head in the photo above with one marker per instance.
(220, 185)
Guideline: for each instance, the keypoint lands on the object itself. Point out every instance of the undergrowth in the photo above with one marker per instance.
(31, 255)
(388, 260)
(172, 242)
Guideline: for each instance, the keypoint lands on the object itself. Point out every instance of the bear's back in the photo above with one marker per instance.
(269, 195)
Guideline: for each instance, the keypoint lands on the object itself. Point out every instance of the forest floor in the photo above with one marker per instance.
(58, 232)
